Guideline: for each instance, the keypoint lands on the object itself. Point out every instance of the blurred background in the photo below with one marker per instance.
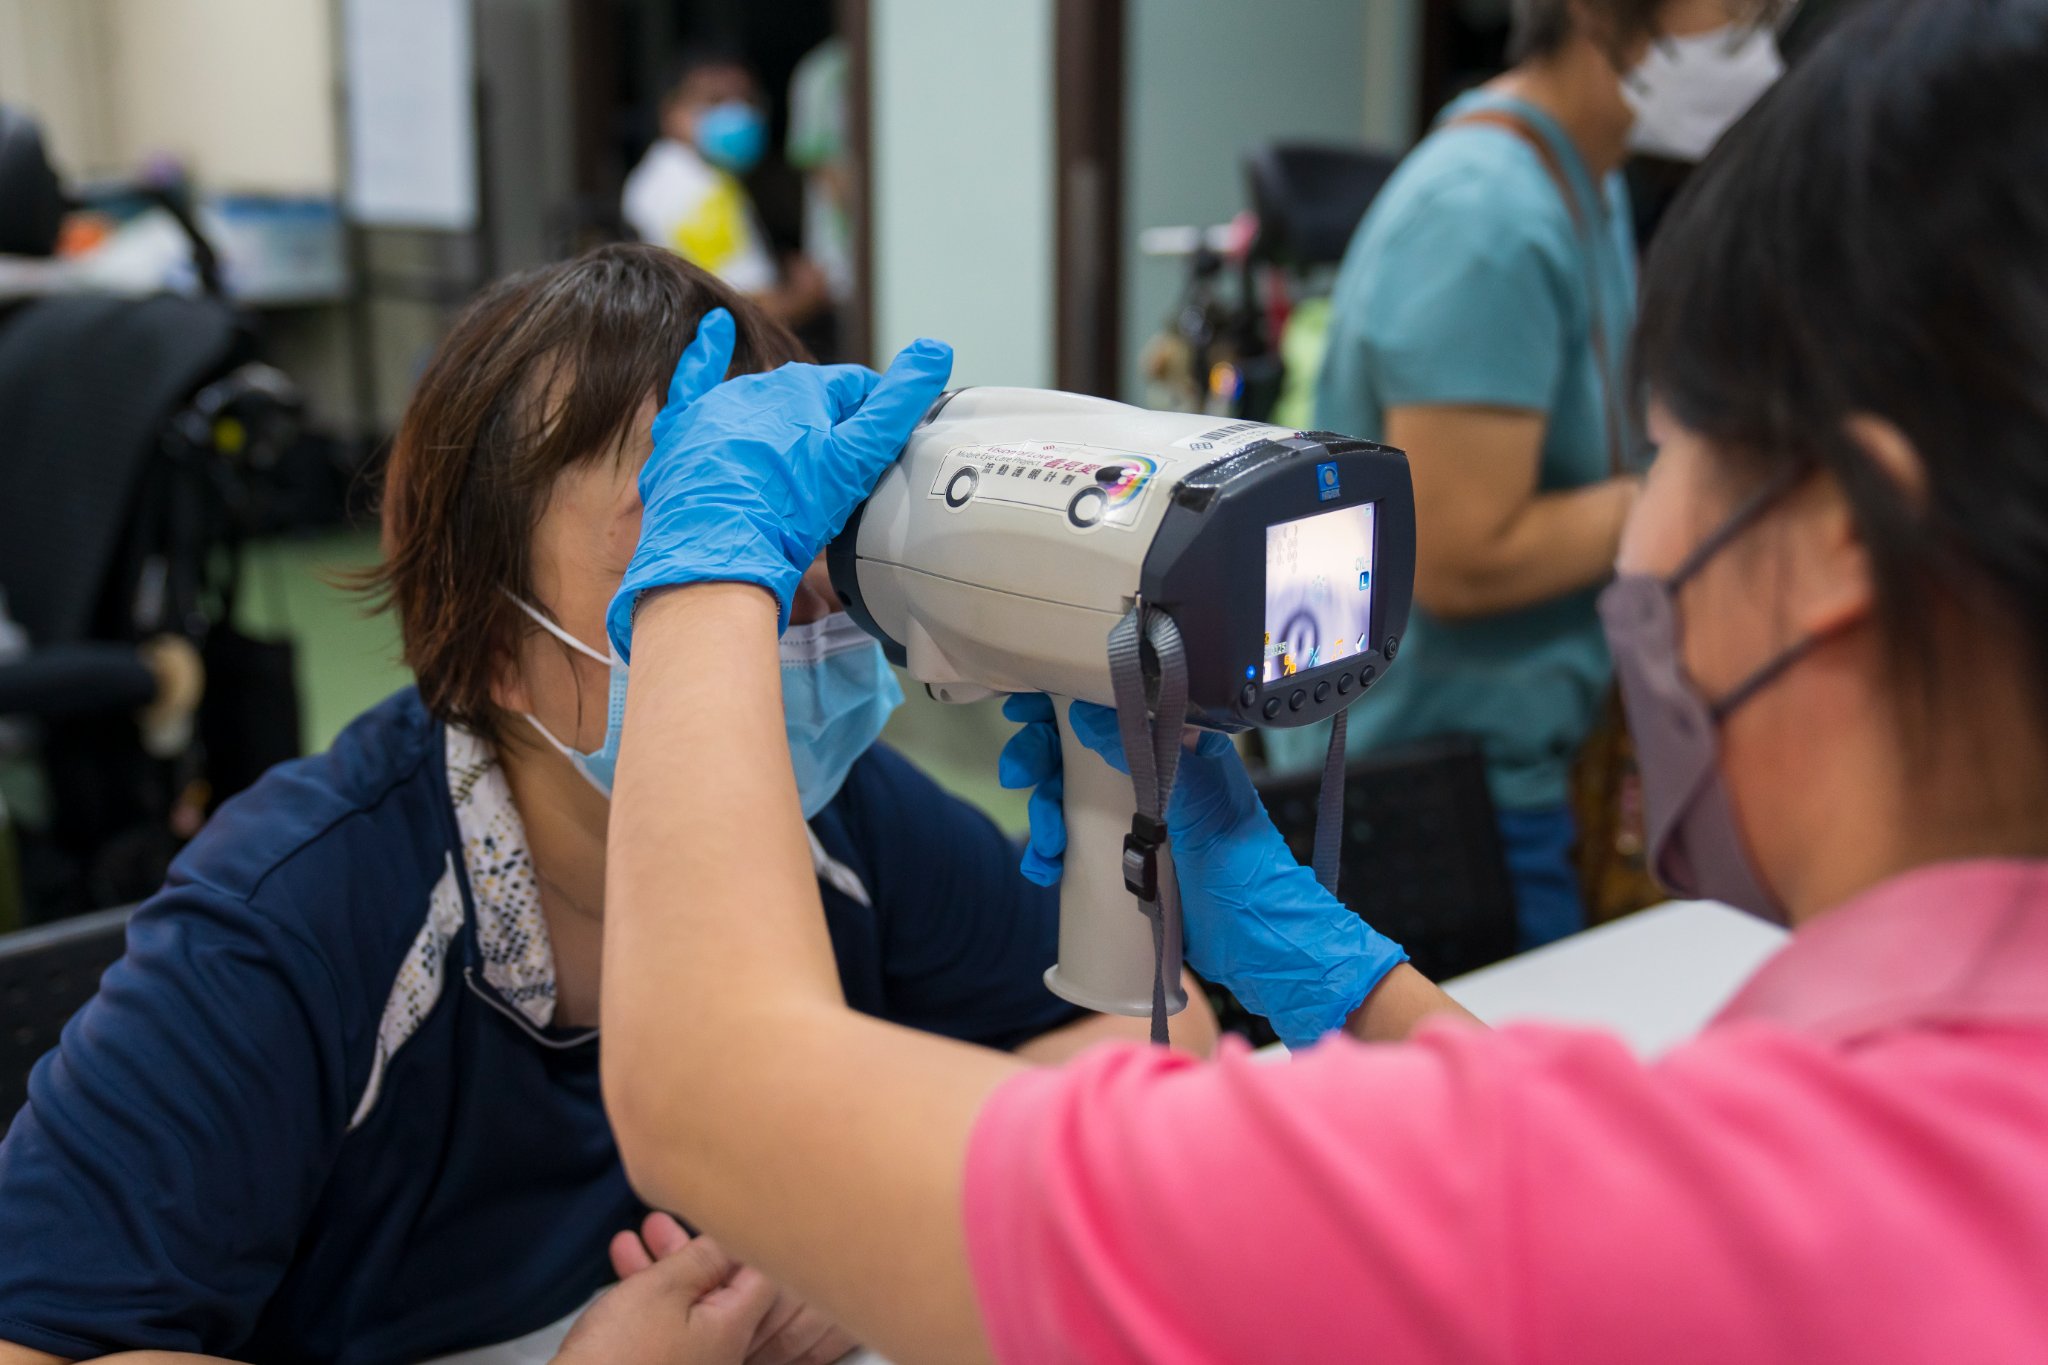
(260, 215)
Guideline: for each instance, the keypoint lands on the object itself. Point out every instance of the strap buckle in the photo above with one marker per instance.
(1141, 857)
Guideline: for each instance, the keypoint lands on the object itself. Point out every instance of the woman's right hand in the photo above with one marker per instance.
(1254, 919)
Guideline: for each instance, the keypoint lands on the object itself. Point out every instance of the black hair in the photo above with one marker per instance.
(702, 56)
(1538, 28)
(1869, 240)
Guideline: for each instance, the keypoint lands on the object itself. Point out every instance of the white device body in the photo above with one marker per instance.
(1003, 593)
(987, 557)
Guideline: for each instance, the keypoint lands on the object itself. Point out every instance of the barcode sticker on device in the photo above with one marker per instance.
(1232, 437)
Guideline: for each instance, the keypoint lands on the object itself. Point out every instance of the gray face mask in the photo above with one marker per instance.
(1695, 847)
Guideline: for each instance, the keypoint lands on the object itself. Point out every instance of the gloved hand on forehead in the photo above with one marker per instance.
(1253, 918)
(751, 476)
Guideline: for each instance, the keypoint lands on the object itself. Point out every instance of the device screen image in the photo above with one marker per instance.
(1318, 590)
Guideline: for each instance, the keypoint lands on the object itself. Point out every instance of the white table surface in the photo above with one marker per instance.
(1654, 978)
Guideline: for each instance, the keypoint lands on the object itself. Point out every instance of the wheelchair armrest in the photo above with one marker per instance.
(76, 680)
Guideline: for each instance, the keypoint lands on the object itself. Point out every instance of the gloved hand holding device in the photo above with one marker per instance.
(751, 476)
(1255, 920)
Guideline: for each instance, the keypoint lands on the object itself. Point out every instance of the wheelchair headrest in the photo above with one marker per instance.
(31, 199)
(1309, 198)
(87, 387)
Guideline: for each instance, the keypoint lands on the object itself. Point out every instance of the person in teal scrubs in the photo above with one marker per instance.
(1480, 322)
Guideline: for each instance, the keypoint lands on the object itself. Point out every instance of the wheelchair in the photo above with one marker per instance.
(134, 438)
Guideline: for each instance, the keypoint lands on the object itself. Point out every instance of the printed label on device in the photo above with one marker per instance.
(1066, 480)
(1228, 439)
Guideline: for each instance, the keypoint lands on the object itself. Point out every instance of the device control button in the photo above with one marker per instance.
(1343, 683)
(1087, 507)
(1366, 675)
(1248, 696)
(1392, 648)
(1272, 707)
(1296, 698)
(961, 487)
(1323, 690)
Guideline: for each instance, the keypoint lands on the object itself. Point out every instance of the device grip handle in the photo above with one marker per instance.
(1106, 953)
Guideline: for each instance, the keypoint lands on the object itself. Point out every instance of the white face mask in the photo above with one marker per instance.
(596, 765)
(1688, 91)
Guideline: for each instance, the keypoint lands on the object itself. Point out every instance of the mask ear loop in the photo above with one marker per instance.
(551, 628)
(1744, 516)
(1741, 520)
(572, 642)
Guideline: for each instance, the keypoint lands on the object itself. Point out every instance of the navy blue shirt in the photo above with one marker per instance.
(320, 1110)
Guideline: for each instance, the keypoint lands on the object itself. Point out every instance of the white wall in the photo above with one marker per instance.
(962, 138)
(52, 61)
(1392, 70)
(241, 90)
(1208, 78)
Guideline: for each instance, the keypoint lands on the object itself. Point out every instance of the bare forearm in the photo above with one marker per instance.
(822, 1146)
(1557, 543)
(1398, 1004)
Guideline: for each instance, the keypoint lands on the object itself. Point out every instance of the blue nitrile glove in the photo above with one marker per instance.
(751, 476)
(1032, 759)
(1254, 919)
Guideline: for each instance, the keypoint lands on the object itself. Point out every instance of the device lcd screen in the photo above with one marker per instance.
(1318, 590)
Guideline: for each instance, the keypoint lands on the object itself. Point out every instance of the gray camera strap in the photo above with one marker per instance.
(1150, 726)
(1330, 808)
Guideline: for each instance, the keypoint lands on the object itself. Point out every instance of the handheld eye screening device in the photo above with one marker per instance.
(1188, 570)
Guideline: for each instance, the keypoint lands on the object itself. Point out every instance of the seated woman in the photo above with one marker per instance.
(340, 1101)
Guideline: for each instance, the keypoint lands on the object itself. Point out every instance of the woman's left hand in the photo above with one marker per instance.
(751, 476)
(690, 1304)
(790, 1331)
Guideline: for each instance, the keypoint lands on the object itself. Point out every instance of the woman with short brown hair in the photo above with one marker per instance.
(340, 1101)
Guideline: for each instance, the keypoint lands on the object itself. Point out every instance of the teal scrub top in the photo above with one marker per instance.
(1468, 283)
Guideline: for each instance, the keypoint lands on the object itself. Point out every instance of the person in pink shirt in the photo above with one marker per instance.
(1827, 620)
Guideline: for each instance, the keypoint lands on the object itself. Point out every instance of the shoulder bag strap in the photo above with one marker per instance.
(1596, 323)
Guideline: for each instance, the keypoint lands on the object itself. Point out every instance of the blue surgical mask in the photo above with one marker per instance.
(597, 765)
(837, 693)
(732, 136)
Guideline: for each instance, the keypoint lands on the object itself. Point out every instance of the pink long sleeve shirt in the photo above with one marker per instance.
(1850, 1164)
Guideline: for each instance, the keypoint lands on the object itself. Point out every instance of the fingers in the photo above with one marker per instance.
(699, 1266)
(1030, 756)
(780, 1314)
(735, 1309)
(805, 1338)
(663, 1235)
(1096, 727)
(846, 388)
(705, 360)
(1025, 707)
(914, 381)
(1045, 853)
(629, 1255)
